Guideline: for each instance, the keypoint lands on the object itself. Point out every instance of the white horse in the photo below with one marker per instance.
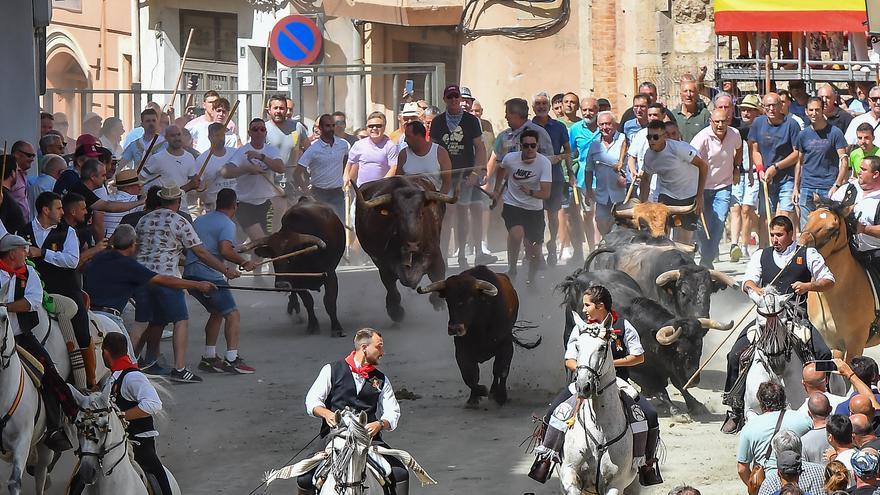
(24, 415)
(105, 465)
(774, 357)
(348, 458)
(598, 450)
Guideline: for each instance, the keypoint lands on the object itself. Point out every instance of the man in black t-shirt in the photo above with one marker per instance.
(460, 134)
(11, 214)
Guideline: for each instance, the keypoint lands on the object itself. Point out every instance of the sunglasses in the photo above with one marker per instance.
(258, 129)
(29, 155)
(654, 137)
(874, 98)
(375, 126)
(529, 145)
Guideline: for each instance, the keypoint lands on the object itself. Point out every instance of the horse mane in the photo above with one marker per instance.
(839, 208)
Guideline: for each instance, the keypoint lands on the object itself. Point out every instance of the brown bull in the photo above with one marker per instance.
(653, 217)
(843, 314)
(397, 220)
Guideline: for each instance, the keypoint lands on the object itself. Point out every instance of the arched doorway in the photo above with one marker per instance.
(65, 71)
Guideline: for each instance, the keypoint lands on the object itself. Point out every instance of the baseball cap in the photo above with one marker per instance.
(789, 462)
(452, 89)
(86, 139)
(751, 101)
(89, 150)
(127, 177)
(12, 241)
(466, 93)
(864, 463)
(410, 110)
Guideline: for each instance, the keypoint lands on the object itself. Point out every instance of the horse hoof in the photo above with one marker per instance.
(500, 398)
(313, 328)
(338, 333)
(481, 391)
(396, 313)
(472, 403)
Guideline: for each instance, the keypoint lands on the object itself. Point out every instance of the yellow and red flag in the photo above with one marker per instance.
(789, 15)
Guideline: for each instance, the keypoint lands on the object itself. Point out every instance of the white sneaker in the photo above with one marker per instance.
(485, 247)
(167, 334)
(567, 253)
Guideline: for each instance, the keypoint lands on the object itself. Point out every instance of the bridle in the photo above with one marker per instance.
(6, 359)
(595, 375)
(87, 426)
(356, 434)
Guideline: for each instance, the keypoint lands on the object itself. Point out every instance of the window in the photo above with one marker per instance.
(215, 37)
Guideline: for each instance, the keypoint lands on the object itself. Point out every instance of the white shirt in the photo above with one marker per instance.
(677, 177)
(638, 147)
(112, 220)
(173, 170)
(325, 162)
(252, 188)
(864, 209)
(33, 294)
(868, 117)
(834, 400)
(211, 177)
(198, 129)
(427, 165)
(389, 409)
(136, 387)
(524, 175)
(815, 262)
(67, 256)
(630, 336)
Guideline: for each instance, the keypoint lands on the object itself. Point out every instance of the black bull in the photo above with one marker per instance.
(398, 221)
(483, 307)
(673, 346)
(307, 223)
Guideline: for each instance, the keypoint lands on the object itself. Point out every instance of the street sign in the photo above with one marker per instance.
(285, 77)
(295, 40)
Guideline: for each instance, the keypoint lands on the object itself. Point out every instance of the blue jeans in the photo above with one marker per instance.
(716, 205)
(806, 203)
(780, 196)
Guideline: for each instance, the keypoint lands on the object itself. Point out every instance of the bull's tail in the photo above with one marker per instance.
(593, 255)
(518, 327)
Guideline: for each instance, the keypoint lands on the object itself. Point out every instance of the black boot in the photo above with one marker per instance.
(56, 437)
(649, 474)
(733, 423)
(541, 470)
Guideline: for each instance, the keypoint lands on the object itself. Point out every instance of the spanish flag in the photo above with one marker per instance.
(789, 15)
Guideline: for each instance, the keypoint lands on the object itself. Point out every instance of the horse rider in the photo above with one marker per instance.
(138, 400)
(355, 382)
(627, 351)
(55, 251)
(791, 268)
(23, 296)
(863, 192)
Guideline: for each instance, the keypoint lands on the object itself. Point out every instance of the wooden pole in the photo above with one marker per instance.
(304, 274)
(152, 179)
(307, 250)
(767, 74)
(265, 77)
(3, 175)
(189, 38)
(705, 226)
(147, 154)
(635, 81)
(767, 202)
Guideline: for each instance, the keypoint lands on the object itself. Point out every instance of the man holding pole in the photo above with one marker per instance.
(134, 152)
(212, 162)
(788, 268)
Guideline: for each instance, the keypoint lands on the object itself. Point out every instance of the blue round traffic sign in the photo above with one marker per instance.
(295, 40)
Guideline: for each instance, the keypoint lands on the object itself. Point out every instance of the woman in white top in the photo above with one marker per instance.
(421, 156)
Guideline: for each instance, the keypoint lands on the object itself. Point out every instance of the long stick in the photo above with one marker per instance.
(152, 179)
(211, 149)
(180, 71)
(305, 274)
(3, 175)
(733, 330)
(767, 74)
(767, 203)
(307, 250)
(488, 195)
(705, 226)
(257, 289)
(265, 75)
(147, 154)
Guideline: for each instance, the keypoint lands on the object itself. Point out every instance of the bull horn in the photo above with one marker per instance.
(249, 246)
(719, 276)
(680, 210)
(686, 248)
(311, 239)
(668, 335)
(432, 287)
(715, 324)
(359, 196)
(667, 277)
(443, 198)
(625, 214)
(486, 288)
(380, 200)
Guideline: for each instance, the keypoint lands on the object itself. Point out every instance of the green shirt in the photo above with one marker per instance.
(857, 155)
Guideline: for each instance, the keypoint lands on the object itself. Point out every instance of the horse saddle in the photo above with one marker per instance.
(150, 482)
(31, 365)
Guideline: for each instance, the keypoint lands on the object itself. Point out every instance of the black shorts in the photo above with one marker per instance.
(557, 196)
(249, 214)
(531, 221)
(689, 221)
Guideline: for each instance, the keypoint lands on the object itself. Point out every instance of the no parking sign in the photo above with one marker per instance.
(295, 40)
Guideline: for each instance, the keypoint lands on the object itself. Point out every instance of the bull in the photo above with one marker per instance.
(397, 220)
(650, 217)
(673, 347)
(307, 223)
(666, 275)
(483, 307)
(622, 287)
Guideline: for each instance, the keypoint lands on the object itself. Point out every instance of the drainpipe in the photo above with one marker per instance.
(136, 41)
(357, 49)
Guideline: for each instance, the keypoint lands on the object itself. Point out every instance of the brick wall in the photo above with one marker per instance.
(606, 66)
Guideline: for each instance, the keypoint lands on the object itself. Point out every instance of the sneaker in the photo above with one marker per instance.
(211, 365)
(167, 334)
(485, 259)
(735, 253)
(551, 258)
(238, 366)
(463, 263)
(184, 376)
(155, 369)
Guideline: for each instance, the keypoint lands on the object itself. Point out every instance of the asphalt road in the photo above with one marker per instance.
(222, 435)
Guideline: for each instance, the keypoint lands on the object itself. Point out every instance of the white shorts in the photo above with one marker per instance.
(744, 194)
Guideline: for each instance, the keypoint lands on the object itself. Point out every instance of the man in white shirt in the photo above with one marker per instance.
(355, 382)
(255, 165)
(134, 151)
(128, 188)
(321, 166)
(220, 153)
(872, 117)
(173, 165)
(198, 127)
(863, 193)
(636, 151)
(681, 177)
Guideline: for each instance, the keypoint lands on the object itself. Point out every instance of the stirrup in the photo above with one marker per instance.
(650, 475)
(733, 423)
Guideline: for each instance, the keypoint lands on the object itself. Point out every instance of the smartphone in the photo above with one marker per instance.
(408, 86)
(193, 81)
(825, 366)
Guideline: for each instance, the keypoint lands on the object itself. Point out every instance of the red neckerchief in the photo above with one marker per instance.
(123, 363)
(20, 273)
(364, 371)
(613, 321)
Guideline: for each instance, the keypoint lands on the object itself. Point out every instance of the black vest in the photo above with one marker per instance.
(796, 271)
(343, 393)
(135, 426)
(26, 321)
(618, 347)
(56, 278)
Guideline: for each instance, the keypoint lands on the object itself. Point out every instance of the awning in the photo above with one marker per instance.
(789, 15)
(398, 12)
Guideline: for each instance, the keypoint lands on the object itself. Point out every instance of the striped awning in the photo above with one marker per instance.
(789, 15)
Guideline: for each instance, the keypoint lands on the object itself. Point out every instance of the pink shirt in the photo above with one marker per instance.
(718, 154)
(19, 193)
(373, 160)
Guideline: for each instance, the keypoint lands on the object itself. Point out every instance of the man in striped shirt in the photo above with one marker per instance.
(128, 188)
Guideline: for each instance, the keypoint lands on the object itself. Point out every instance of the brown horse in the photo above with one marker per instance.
(845, 313)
